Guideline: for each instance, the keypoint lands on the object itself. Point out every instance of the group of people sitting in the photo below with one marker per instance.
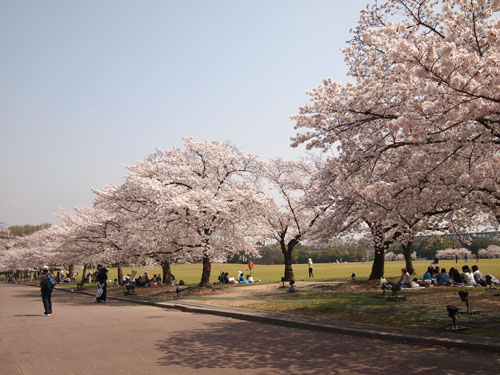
(439, 277)
(240, 279)
(145, 282)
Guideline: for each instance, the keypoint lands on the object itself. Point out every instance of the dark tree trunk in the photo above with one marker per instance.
(288, 266)
(287, 250)
(205, 275)
(70, 270)
(120, 276)
(381, 241)
(83, 274)
(407, 248)
(167, 274)
(378, 261)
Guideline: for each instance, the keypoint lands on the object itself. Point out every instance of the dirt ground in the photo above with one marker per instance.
(229, 295)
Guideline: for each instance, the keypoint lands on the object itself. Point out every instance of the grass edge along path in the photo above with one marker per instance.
(191, 273)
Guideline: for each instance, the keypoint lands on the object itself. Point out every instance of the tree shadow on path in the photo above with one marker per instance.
(254, 346)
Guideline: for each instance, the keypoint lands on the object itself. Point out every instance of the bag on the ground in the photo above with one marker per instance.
(50, 282)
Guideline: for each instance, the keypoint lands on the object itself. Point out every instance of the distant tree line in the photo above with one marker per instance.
(361, 251)
(25, 230)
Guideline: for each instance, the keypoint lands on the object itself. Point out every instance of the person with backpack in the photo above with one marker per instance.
(47, 284)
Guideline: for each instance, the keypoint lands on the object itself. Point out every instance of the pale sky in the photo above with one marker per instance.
(88, 86)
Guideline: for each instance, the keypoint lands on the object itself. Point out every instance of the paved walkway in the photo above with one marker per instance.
(120, 338)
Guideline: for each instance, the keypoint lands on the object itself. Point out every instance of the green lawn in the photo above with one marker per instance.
(191, 273)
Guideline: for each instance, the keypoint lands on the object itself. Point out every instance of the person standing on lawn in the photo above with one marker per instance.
(47, 283)
(250, 266)
(102, 280)
(310, 263)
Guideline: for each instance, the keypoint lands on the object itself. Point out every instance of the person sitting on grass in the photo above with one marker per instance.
(468, 277)
(404, 280)
(434, 265)
(429, 277)
(443, 278)
(153, 281)
(139, 283)
(249, 279)
(478, 276)
(145, 280)
(129, 284)
(455, 277)
(241, 279)
(220, 280)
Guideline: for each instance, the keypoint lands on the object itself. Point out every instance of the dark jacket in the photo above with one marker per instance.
(102, 275)
(43, 282)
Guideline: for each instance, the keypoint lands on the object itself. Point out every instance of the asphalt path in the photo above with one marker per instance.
(83, 337)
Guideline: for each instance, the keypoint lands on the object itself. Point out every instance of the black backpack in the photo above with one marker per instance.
(50, 282)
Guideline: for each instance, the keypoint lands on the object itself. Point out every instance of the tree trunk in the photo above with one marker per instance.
(167, 274)
(70, 270)
(83, 274)
(120, 276)
(378, 262)
(288, 266)
(407, 248)
(287, 250)
(205, 275)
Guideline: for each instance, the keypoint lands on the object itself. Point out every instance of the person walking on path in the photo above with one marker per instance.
(47, 283)
(102, 279)
(310, 263)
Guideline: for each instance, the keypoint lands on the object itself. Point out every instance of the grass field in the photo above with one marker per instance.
(191, 273)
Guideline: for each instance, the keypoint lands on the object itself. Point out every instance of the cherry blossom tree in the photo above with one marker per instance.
(5, 239)
(294, 215)
(4, 232)
(420, 119)
(143, 229)
(31, 252)
(201, 201)
(85, 237)
(493, 251)
(453, 253)
(425, 77)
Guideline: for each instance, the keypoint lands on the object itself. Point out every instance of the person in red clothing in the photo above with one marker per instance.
(477, 257)
(250, 266)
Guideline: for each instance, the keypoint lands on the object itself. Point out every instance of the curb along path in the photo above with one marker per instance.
(339, 327)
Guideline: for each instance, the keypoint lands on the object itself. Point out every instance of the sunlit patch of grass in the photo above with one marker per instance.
(369, 309)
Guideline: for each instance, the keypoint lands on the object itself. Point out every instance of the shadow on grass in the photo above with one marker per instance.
(271, 349)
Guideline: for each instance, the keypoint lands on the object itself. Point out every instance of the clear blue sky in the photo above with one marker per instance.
(87, 86)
